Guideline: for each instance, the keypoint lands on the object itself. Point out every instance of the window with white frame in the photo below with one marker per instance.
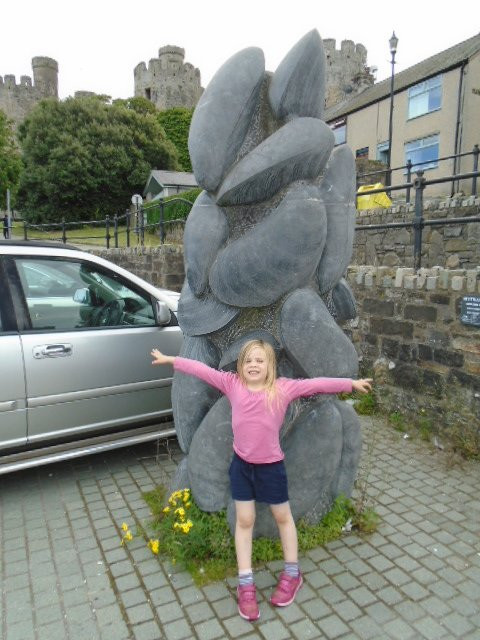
(425, 97)
(423, 152)
(339, 129)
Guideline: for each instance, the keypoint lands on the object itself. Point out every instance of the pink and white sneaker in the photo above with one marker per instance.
(287, 589)
(247, 602)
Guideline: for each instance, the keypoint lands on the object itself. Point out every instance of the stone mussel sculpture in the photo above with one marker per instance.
(266, 246)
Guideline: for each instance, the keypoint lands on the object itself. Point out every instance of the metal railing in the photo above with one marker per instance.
(135, 221)
(113, 227)
(418, 223)
(408, 169)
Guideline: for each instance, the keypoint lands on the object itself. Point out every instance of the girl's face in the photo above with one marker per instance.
(255, 366)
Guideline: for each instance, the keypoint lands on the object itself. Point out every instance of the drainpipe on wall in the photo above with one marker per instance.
(458, 133)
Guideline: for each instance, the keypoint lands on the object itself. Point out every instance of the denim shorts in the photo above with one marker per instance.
(260, 482)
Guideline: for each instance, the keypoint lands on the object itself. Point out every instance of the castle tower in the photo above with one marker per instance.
(45, 76)
(169, 81)
(347, 71)
(17, 100)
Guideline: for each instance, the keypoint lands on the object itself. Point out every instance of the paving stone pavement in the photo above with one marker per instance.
(64, 575)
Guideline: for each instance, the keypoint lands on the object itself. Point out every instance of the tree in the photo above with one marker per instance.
(138, 103)
(10, 162)
(176, 123)
(84, 158)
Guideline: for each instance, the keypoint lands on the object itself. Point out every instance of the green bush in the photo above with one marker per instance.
(173, 209)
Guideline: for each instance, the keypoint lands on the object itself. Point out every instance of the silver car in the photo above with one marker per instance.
(76, 333)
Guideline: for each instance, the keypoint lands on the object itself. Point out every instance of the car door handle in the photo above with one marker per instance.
(8, 406)
(52, 351)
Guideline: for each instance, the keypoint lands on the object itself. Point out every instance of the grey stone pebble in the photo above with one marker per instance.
(191, 397)
(206, 230)
(298, 150)
(277, 255)
(202, 315)
(210, 455)
(298, 84)
(313, 340)
(223, 114)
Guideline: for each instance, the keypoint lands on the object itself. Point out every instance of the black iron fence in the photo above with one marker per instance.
(135, 225)
(408, 169)
(418, 223)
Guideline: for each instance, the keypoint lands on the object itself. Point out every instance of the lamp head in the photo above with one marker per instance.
(393, 43)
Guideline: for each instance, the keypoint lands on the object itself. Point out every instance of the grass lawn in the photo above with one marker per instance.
(93, 235)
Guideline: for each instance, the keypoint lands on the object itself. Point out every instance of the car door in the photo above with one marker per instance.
(13, 413)
(86, 340)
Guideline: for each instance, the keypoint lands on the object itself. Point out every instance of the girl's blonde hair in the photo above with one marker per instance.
(271, 380)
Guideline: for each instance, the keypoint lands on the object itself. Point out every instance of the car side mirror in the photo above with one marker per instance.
(83, 296)
(162, 313)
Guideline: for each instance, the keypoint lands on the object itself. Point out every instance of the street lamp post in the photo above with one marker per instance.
(393, 50)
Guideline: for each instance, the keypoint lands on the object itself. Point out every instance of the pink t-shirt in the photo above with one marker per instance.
(255, 425)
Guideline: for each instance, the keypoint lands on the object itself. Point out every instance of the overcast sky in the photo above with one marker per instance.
(97, 43)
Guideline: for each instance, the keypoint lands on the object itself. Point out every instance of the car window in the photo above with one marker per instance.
(62, 295)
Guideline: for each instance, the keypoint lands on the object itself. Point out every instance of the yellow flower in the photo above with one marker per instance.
(124, 526)
(180, 511)
(188, 504)
(128, 536)
(166, 510)
(154, 545)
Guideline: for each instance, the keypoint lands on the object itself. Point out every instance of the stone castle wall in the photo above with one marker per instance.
(347, 71)
(17, 100)
(168, 81)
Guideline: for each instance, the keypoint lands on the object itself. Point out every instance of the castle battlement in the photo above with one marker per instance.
(348, 49)
(17, 100)
(347, 71)
(168, 81)
(173, 50)
(9, 82)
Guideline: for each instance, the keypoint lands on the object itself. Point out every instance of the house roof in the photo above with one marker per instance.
(443, 61)
(169, 179)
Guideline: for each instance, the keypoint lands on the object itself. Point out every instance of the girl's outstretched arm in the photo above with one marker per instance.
(364, 385)
(161, 358)
(221, 380)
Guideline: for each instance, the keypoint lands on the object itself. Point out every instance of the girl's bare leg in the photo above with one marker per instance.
(245, 519)
(287, 529)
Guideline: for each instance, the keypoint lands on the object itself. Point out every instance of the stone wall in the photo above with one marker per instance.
(162, 266)
(446, 245)
(408, 332)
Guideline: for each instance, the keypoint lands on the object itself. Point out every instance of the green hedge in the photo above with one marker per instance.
(173, 208)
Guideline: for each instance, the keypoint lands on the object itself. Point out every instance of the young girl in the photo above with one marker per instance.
(257, 473)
